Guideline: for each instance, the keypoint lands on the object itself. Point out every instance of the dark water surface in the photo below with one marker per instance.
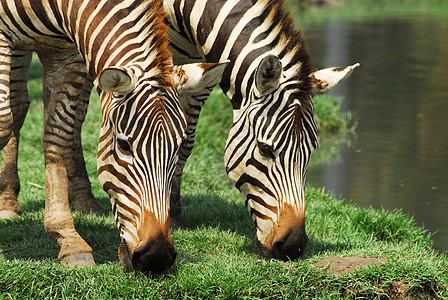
(399, 97)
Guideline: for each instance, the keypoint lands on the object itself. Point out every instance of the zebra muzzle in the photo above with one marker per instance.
(154, 256)
(290, 246)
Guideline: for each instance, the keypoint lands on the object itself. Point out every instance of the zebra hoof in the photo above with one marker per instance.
(8, 214)
(78, 260)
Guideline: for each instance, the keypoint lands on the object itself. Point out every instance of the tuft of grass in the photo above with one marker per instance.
(330, 118)
(335, 128)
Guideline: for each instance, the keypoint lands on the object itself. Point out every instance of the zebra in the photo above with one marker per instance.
(120, 47)
(259, 38)
(270, 84)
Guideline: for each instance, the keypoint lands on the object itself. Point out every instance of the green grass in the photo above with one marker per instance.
(335, 127)
(330, 118)
(356, 10)
(217, 256)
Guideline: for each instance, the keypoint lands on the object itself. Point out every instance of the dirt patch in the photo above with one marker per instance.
(342, 265)
(398, 290)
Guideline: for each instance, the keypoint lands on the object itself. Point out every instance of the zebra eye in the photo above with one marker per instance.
(266, 150)
(124, 146)
(117, 95)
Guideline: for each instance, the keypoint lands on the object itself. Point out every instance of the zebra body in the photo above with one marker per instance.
(121, 48)
(270, 85)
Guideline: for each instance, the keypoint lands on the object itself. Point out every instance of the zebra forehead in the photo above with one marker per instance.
(280, 121)
(149, 101)
(302, 120)
(287, 106)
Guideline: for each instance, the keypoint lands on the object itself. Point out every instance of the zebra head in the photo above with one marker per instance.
(142, 130)
(268, 150)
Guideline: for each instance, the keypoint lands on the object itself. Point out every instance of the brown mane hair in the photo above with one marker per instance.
(294, 43)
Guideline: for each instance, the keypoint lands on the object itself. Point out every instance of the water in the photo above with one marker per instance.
(399, 97)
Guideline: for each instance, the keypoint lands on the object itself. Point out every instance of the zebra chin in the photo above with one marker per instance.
(288, 239)
(154, 250)
(289, 247)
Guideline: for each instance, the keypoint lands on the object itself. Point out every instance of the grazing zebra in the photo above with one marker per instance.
(258, 159)
(121, 48)
(270, 85)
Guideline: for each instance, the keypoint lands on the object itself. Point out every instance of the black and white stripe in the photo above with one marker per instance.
(268, 83)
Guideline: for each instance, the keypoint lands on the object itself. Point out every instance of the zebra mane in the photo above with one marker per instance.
(163, 60)
(144, 26)
(294, 44)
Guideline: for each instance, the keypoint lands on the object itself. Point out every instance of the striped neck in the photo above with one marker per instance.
(92, 24)
(244, 32)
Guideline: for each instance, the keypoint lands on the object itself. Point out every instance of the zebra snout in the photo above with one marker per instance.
(154, 256)
(289, 246)
(288, 239)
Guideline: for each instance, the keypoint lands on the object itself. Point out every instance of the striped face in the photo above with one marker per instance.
(140, 135)
(267, 155)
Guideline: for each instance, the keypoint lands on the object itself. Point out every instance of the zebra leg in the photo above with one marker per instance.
(6, 119)
(64, 75)
(193, 92)
(191, 105)
(184, 152)
(79, 187)
(20, 102)
(9, 206)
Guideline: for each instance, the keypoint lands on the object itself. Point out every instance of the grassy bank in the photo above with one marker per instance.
(216, 252)
(217, 256)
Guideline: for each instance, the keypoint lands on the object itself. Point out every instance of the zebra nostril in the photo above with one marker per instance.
(277, 249)
(289, 247)
(137, 262)
(153, 257)
(124, 256)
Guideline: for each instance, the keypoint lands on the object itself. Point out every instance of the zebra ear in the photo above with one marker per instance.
(325, 80)
(193, 78)
(118, 81)
(267, 76)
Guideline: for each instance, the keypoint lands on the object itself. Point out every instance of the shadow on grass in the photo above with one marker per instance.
(210, 210)
(208, 219)
(25, 238)
(217, 222)
(36, 69)
(316, 246)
